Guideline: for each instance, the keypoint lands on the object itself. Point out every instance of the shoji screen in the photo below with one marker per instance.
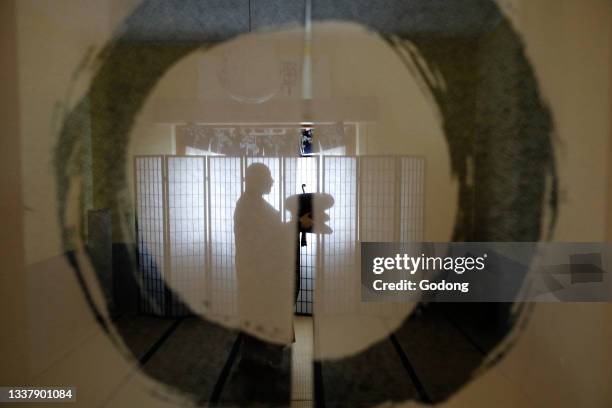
(337, 282)
(391, 194)
(298, 171)
(377, 199)
(225, 177)
(412, 199)
(150, 220)
(185, 225)
(187, 231)
(379, 183)
(390, 210)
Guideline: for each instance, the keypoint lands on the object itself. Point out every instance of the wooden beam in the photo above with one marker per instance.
(276, 111)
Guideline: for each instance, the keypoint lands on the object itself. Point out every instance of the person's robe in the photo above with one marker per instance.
(265, 266)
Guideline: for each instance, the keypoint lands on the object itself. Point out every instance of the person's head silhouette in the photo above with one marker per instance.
(258, 179)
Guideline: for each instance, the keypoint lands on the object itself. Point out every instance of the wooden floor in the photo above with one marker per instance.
(427, 359)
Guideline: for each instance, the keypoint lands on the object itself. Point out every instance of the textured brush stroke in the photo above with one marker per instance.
(466, 54)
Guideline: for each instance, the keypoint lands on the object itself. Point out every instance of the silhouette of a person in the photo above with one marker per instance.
(265, 266)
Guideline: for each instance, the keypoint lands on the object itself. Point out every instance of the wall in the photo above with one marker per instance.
(360, 67)
(55, 45)
(55, 39)
(12, 277)
(564, 358)
(609, 235)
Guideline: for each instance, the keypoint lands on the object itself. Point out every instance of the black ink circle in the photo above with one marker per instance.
(496, 124)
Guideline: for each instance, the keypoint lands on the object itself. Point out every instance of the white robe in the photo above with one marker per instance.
(265, 268)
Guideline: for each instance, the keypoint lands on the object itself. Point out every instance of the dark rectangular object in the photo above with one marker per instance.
(586, 268)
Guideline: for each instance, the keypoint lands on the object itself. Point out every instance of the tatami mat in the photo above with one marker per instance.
(301, 364)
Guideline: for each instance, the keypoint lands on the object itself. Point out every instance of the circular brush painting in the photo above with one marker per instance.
(498, 130)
